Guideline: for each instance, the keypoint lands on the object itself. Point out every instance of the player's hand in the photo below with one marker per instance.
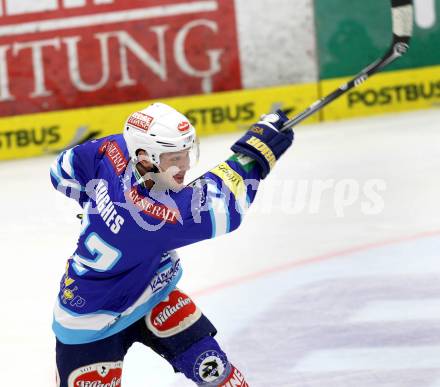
(264, 142)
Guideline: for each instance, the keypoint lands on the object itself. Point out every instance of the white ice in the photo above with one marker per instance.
(302, 294)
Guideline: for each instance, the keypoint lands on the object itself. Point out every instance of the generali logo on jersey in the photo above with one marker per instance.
(158, 211)
(60, 54)
(115, 155)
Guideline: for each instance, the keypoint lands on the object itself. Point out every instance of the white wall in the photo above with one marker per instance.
(276, 42)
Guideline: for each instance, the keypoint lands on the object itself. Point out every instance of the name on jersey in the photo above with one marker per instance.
(158, 211)
(106, 208)
(115, 155)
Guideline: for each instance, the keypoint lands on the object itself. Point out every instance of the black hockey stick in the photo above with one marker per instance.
(402, 14)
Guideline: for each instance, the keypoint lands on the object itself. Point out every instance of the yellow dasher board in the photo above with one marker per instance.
(386, 92)
(233, 111)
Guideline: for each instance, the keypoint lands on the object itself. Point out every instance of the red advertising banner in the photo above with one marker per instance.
(63, 54)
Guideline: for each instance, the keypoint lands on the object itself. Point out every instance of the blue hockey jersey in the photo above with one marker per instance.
(125, 262)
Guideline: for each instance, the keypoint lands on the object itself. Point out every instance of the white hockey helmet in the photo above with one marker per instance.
(159, 129)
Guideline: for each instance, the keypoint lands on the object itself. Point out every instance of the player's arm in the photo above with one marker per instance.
(221, 197)
(74, 167)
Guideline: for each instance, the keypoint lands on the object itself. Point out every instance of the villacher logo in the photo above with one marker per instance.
(73, 53)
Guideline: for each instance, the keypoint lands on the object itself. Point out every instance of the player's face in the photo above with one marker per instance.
(180, 159)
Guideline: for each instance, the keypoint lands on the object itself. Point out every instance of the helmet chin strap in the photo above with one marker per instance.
(155, 169)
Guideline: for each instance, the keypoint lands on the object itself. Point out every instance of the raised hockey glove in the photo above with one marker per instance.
(264, 142)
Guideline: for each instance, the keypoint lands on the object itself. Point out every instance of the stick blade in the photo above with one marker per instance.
(403, 18)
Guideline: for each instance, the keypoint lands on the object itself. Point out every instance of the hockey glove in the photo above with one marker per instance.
(264, 142)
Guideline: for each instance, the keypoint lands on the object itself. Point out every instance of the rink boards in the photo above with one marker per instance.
(37, 134)
(42, 133)
(388, 92)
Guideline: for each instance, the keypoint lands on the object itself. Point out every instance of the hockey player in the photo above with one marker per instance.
(119, 286)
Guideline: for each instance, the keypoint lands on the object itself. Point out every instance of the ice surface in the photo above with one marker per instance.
(298, 292)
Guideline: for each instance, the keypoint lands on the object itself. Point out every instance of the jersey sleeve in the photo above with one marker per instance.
(74, 168)
(217, 201)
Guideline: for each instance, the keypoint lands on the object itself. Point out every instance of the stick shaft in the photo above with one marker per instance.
(402, 13)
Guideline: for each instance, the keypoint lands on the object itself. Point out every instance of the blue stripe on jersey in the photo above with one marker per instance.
(61, 177)
(69, 165)
(101, 311)
(218, 211)
(211, 214)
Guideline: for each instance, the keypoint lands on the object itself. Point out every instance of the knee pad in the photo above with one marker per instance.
(174, 325)
(177, 330)
(204, 363)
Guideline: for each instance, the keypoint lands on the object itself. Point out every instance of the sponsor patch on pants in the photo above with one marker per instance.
(107, 374)
(173, 315)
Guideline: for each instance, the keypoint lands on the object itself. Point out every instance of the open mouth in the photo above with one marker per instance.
(179, 178)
